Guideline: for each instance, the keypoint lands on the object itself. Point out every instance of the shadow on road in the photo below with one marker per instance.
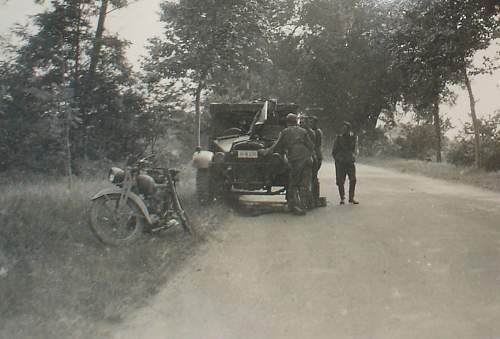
(248, 207)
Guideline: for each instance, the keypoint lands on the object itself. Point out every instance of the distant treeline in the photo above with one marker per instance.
(67, 92)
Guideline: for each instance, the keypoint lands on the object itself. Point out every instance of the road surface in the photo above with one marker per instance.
(418, 258)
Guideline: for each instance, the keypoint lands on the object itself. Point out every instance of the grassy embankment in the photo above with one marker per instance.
(464, 175)
(58, 281)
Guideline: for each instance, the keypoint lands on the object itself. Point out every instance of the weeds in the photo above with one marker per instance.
(57, 280)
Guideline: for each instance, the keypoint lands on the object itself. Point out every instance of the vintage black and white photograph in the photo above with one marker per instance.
(250, 169)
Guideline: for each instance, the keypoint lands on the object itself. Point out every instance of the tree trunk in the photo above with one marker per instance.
(68, 148)
(475, 122)
(89, 85)
(96, 50)
(77, 48)
(437, 128)
(198, 113)
(64, 107)
(77, 70)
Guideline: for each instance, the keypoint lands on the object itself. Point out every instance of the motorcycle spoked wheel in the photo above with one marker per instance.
(115, 226)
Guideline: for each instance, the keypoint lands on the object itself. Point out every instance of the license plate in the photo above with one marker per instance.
(247, 154)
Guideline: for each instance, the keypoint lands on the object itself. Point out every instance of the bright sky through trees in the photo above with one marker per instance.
(140, 21)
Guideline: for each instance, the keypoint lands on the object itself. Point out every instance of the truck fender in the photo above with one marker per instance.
(131, 195)
(202, 159)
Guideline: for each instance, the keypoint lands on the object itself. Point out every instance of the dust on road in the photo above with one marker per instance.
(418, 258)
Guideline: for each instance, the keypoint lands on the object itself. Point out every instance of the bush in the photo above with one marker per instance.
(416, 141)
(461, 150)
(407, 141)
(376, 142)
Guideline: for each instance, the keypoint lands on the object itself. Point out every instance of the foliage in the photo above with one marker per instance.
(204, 41)
(461, 150)
(67, 91)
(435, 40)
(43, 98)
(58, 281)
(344, 60)
(433, 44)
(376, 142)
(416, 141)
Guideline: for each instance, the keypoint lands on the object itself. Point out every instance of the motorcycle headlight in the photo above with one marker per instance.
(116, 175)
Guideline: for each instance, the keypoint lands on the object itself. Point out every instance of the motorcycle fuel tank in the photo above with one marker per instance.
(145, 184)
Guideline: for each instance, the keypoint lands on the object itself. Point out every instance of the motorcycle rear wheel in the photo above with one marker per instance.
(185, 222)
(115, 226)
(182, 215)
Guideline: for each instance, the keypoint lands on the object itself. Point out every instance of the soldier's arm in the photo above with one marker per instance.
(277, 144)
(335, 147)
(309, 143)
(320, 143)
(356, 146)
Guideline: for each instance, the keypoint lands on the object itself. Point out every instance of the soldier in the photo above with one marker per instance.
(306, 123)
(318, 141)
(295, 141)
(345, 149)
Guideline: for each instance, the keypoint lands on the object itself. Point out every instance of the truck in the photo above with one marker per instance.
(231, 163)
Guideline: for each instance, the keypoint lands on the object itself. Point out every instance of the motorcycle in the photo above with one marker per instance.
(144, 199)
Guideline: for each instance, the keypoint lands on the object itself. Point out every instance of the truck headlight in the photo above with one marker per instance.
(218, 158)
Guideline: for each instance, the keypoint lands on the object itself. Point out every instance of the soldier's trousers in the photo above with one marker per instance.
(315, 191)
(299, 185)
(343, 170)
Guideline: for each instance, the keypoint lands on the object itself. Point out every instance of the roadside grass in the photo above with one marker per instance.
(444, 171)
(58, 281)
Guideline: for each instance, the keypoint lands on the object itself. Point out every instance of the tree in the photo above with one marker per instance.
(462, 150)
(54, 61)
(433, 46)
(337, 55)
(205, 40)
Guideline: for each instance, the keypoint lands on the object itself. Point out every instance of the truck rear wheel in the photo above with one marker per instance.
(204, 186)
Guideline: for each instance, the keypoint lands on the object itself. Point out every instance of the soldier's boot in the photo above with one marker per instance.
(352, 188)
(308, 202)
(295, 204)
(298, 211)
(342, 194)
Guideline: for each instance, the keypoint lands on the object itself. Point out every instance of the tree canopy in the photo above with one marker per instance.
(69, 90)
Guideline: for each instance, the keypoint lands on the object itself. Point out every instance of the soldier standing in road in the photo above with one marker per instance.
(318, 140)
(345, 149)
(295, 141)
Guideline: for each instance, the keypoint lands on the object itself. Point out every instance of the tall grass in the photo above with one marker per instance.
(56, 279)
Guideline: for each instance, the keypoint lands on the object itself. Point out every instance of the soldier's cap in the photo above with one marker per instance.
(291, 117)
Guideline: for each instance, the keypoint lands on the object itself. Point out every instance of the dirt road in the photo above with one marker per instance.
(418, 258)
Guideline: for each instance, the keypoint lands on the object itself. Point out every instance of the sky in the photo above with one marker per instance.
(140, 21)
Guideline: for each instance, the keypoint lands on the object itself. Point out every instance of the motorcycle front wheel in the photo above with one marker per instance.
(115, 225)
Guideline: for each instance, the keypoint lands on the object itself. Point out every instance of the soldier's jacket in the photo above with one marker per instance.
(296, 142)
(312, 136)
(345, 147)
(318, 141)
